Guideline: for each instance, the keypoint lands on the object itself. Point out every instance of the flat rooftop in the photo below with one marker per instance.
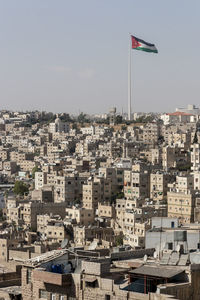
(13, 290)
(157, 271)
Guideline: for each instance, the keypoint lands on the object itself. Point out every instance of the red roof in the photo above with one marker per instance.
(178, 113)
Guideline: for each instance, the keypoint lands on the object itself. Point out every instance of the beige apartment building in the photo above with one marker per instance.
(25, 212)
(150, 133)
(13, 215)
(91, 194)
(82, 216)
(58, 126)
(181, 206)
(132, 221)
(4, 155)
(85, 235)
(9, 167)
(115, 175)
(136, 184)
(42, 221)
(55, 232)
(120, 212)
(105, 210)
(27, 165)
(196, 180)
(168, 157)
(195, 157)
(135, 235)
(159, 185)
(179, 138)
(19, 157)
(96, 190)
(40, 179)
(66, 188)
(181, 199)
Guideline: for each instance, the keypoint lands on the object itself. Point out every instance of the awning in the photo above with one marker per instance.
(157, 271)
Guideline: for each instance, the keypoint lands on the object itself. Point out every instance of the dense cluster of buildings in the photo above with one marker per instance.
(107, 212)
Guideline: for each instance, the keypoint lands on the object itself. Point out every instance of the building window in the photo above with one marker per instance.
(43, 294)
(93, 284)
(29, 273)
(53, 297)
(107, 297)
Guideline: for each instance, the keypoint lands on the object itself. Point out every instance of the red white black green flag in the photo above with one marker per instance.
(139, 44)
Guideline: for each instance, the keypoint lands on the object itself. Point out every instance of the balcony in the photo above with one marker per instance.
(52, 278)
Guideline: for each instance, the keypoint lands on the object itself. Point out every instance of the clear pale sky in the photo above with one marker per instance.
(71, 56)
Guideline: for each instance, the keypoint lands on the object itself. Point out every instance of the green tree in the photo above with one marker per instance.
(124, 127)
(37, 152)
(82, 118)
(66, 118)
(119, 119)
(107, 121)
(144, 119)
(74, 126)
(119, 240)
(2, 218)
(120, 195)
(195, 140)
(20, 188)
(35, 169)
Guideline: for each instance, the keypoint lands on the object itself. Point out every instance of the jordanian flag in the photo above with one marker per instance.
(139, 44)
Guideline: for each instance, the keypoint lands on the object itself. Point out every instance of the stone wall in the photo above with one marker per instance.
(93, 253)
(10, 278)
(16, 255)
(26, 287)
(195, 279)
(181, 291)
(132, 254)
(96, 268)
(30, 291)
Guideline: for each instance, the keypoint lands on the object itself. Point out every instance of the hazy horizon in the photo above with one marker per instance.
(72, 56)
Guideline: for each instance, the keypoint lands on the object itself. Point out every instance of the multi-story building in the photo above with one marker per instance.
(25, 212)
(85, 235)
(67, 189)
(159, 185)
(195, 157)
(80, 216)
(181, 199)
(58, 126)
(137, 184)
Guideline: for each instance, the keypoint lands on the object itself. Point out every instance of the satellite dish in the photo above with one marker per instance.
(64, 243)
(163, 245)
(145, 258)
(178, 247)
(157, 248)
(155, 254)
(93, 245)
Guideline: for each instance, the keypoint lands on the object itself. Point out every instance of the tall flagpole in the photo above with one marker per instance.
(129, 77)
